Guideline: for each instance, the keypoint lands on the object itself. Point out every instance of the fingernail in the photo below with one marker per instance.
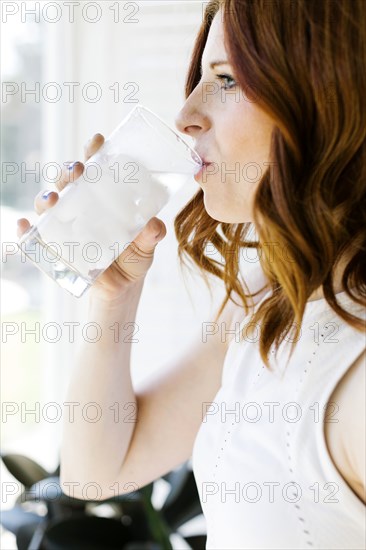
(71, 166)
(46, 194)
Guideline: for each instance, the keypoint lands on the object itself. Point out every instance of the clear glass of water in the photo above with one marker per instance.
(129, 180)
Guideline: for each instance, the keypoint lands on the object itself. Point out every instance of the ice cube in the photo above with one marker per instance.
(53, 230)
(131, 173)
(71, 202)
(150, 204)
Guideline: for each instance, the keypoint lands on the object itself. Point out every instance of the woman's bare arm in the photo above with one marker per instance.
(95, 439)
(156, 430)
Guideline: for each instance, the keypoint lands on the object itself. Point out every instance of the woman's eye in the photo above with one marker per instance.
(226, 78)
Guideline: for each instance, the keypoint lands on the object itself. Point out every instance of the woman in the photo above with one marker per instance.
(276, 431)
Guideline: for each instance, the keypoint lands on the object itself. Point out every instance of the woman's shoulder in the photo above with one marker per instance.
(346, 438)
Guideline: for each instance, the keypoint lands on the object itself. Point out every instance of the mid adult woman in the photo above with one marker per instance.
(275, 105)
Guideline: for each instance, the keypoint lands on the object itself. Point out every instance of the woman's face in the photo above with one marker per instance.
(230, 131)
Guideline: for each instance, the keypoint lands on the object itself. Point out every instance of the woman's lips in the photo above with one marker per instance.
(205, 162)
(199, 174)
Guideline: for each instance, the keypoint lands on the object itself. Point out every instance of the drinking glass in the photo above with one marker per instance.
(126, 182)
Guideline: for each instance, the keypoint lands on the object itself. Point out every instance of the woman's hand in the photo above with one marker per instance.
(134, 262)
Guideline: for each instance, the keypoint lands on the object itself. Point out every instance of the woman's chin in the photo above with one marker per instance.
(216, 212)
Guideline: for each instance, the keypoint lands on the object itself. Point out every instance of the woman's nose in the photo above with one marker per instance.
(190, 122)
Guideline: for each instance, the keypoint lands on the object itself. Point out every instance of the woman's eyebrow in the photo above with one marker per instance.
(221, 62)
(213, 64)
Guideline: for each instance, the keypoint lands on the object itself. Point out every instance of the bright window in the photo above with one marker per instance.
(70, 73)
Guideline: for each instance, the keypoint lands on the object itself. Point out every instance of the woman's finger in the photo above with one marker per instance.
(70, 174)
(45, 199)
(23, 226)
(92, 146)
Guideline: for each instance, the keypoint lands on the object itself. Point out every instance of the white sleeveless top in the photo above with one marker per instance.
(260, 460)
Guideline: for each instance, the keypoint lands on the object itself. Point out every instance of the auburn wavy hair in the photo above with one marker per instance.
(305, 61)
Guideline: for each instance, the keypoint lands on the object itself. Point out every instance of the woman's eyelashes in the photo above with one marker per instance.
(225, 78)
(229, 81)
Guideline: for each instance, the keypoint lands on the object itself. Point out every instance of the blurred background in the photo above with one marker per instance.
(70, 70)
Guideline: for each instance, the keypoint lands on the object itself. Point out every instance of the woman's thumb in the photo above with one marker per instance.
(153, 232)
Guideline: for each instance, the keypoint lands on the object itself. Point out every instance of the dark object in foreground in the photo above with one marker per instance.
(44, 518)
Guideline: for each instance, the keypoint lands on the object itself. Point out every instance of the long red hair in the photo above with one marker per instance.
(305, 63)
